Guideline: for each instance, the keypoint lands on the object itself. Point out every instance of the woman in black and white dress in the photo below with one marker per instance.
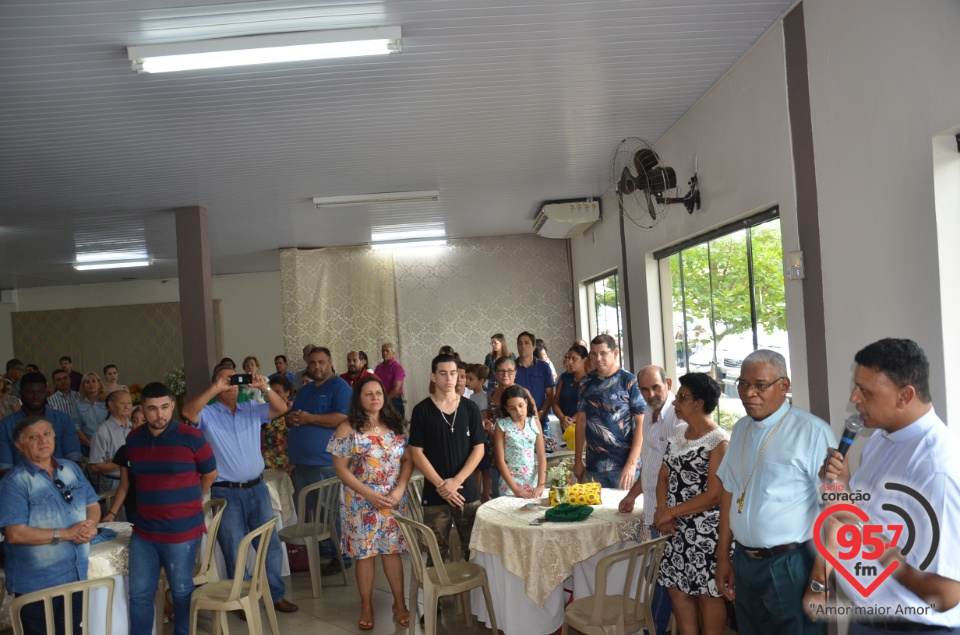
(688, 508)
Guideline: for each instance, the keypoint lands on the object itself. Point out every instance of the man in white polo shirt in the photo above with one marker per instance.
(658, 427)
(909, 465)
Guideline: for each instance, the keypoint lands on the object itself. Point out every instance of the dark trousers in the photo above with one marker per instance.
(34, 622)
(662, 606)
(770, 593)
(398, 406)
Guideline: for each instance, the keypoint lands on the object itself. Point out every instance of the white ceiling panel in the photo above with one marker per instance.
(499, 105)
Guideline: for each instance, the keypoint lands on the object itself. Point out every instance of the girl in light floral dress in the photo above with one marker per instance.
(518, 446)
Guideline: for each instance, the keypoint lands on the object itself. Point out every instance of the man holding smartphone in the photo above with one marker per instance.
(233, 431)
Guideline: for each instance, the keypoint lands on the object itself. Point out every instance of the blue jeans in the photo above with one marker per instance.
(305, 475)
(177, 560)
(662, 606)
(246, 510)
(609, 479)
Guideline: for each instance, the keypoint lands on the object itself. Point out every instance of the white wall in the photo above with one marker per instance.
(882, 88)
(882, 85)
(740, 135)
(250, 309)
(594, 252)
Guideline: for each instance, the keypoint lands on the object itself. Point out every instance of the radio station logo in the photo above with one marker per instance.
(866, 542)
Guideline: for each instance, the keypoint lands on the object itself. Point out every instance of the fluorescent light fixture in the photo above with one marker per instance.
(382, 197)
(409, 244)
(265, 49)
(103, 256)
(389, 236)
(122, 264)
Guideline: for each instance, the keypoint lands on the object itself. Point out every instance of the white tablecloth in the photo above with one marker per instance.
(110, 559)
(521, 560)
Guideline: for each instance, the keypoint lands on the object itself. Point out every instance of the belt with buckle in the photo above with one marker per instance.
(245, 485)
(768, 552)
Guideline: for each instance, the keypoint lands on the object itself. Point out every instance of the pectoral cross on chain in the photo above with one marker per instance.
(740, 504)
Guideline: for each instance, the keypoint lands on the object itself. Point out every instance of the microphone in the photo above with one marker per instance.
(852, 426)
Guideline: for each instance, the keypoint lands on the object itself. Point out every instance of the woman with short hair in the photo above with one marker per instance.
(688, 508)
(90, 411)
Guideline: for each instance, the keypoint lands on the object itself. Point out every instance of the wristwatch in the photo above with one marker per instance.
(267, 389)
(818, 587)
(56, 537)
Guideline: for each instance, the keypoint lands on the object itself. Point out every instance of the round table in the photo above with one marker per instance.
(527, 565)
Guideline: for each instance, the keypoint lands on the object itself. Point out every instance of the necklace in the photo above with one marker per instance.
(371, 428)
(447, 421)
(743, 470)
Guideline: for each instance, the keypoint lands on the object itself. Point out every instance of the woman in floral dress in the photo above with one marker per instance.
(688, 508)
(369, 456)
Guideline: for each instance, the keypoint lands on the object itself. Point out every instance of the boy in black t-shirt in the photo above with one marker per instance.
(446, 443)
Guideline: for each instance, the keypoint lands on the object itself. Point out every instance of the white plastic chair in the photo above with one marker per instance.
(452, 578)
(628, 612)
(240, 594)
(65, 591)
(322, 527)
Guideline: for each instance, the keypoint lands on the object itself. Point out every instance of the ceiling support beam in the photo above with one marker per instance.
(196, 297)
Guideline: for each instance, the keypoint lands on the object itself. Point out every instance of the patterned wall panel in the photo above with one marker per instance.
(475, 288)
(357, 297)
(143, 340)
(342, 298)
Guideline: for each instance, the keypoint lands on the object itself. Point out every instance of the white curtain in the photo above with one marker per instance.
(460, 295)
(343, 298)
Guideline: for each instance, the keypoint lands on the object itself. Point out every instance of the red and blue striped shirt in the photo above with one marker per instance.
(167, 469)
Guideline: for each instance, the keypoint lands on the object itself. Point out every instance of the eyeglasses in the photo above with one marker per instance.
(683, 396)
(67, 496)
(506, 372)
(744, 386)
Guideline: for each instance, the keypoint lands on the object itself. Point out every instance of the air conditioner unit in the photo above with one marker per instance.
(565, 219)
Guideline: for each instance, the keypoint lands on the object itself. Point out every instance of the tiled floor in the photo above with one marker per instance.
(337, 612)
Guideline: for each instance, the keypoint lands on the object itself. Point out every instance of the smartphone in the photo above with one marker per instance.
(538, 520)
(240, 380)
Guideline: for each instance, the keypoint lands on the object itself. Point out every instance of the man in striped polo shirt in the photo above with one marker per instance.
(62, 399)
(173, 466)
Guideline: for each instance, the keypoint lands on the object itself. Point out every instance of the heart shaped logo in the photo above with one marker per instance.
(837, 564)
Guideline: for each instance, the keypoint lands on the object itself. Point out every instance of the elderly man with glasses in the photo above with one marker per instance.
(770, 501)
(49, 514)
